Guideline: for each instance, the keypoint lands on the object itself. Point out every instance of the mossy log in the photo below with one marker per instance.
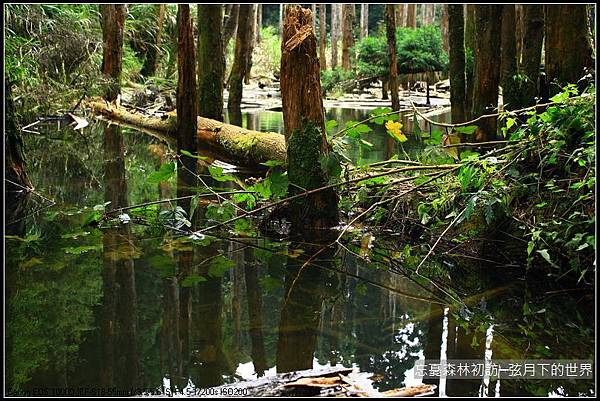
(227, 142)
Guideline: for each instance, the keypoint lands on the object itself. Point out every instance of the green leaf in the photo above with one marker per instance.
(329, 125)
(278, 183)
(273, 163)
(78, 250)
(468, 130)
(191, 280)
(189, 154)
(330, 164)
(165, 172)
(219, 265)
(217, 174)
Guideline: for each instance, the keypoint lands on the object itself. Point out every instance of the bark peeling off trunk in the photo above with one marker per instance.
(304, 120)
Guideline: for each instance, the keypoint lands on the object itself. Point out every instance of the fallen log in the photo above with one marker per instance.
(227, 142)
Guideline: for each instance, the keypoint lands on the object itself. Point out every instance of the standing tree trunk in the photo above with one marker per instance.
(258, 22)
(508, 60)
(322, 36)
(304, 121)
(187, 104)
(151, 61)
(390, 31)
(238, 70)
(488, 20)
(313, 10)
(281, 16)
(568, 49)
(335, 33)
(230, 24)
(411, 16)
(364, 21)
(533, 37)
(519, 29)
(457, 61)
(211, 72)
(444, 29)
(400, 15)
(112, 19)
(251, 36)
(469, 49)
(347, 37)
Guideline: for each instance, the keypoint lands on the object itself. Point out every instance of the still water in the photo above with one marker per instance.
(132, 306)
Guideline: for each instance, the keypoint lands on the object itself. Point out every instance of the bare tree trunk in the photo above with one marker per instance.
(364, 21)
(304, 121)
(411, 19)
(488, 20)
(568, 49)
(151, 61)
(400, 15)
(211, 72)
(258, 21)
(187, 103)
(390, 30)
(230, 24)
(531, 58)
(112, 22)
(508, 60)
(238, 70)
(444, 28)
(457, 61)
(335, 33)
(322, 36)
(281, 16)
(519, 29)
(251, 36)
(469, 48)
(313, 10)
(347, 38)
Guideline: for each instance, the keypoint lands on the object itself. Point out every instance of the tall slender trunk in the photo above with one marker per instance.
(281, 16)
(531, 58)
(469, 48)
(304, 121)
(238, 70)
(255, 321)
(457, 61)
(112, 20)
(390, 31)
(313, 10)
(322, 36)
(508, 60)
(259, 8)
(488, 19)
(411, 17)
(519, 29)
(335, 33)
(364, 21)
(400, 15)
(444, 28)
(347, 38)
(151, 61)
(568, 49)
(211, 72)
(230, 24)
(251, 36)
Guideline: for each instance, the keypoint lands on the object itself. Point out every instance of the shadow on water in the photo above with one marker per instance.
(121, 305)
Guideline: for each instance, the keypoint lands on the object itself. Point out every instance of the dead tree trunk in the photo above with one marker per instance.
(533, 37)
(152, 55)
(238, 70)
(457, 61)
(322, 36)
(488, 20)
(347, 37)
(568, 49)
(390, 30)
(508, 60)
(304, 121)
(187, 104)
(364, 21)
(250, 40)
(411, 16)
(211, 71)
(112, 19)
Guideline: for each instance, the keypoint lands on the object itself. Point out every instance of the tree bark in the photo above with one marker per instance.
(411, 16)
(313, 10)
(226, 142)
(568, 49)
(112, 20)
(457, 61)
(347, 37)
(519, 29)
(238, 70)
(322, 36)
(390, 30)
(444, 29)
(488, 20)
(258, 22)
(400, 15)
(469, 49)
(533, 37)
(364, 21)
(251, 36)
(230, 24)
(508, 60)
(211, 72)
(187, 103)
(304, 121)
(152, 55)
(335, 33)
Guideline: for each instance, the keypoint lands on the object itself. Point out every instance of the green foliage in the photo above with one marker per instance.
(337, 81)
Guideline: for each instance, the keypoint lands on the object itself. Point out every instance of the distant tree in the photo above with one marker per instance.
(211, 69)
(152, 55)
(238, 70)
(230, 23)
(390, 30)
(250, 40)
(411, 16)
(531, 56)
(347, 35)
(364, 21)
(112, 20)
(508, 59)
(457, 61)
(322, 36)
(336, 10)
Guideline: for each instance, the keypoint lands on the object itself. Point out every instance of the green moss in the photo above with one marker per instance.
(304, 149)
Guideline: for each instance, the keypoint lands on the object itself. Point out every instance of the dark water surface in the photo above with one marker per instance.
(127, 306)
